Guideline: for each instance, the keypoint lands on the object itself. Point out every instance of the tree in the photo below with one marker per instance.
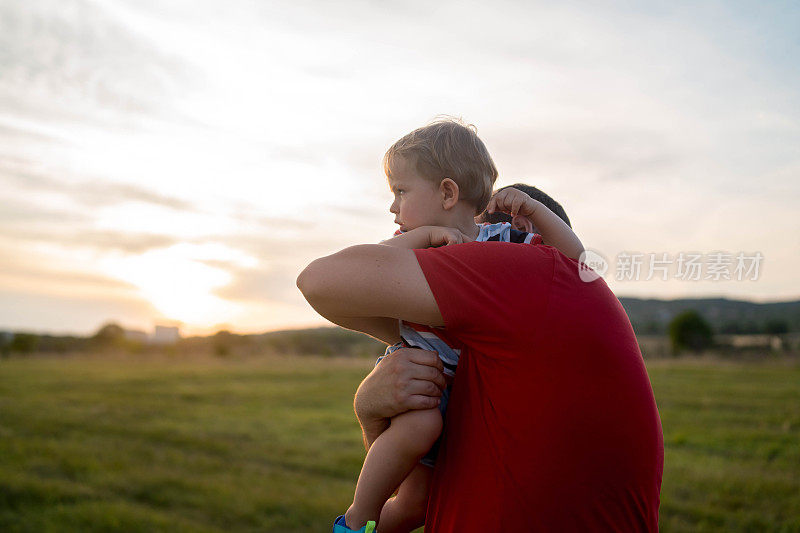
(731, 328)
(110, 335)
(5, 344)
(690, 331)
(24, 343)
(776, 326)
(223, 343)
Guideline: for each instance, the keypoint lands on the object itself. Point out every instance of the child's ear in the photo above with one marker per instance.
(449, 190)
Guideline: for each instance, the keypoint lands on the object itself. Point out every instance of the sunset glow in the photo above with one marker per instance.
(179, 281)
(184, 161)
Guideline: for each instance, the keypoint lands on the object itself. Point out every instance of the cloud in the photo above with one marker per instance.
(23, 133)
(612, 153)
(16, 215)
(38, 208)
(269, 284)
(34, 273)
(71, 313)
(106, 241)
(91, 194)
(57, 52)
(28, 223)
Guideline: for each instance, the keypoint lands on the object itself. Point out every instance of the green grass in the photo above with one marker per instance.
(732, 445)
(271, 444)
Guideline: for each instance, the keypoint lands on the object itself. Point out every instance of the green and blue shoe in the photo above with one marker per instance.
(339, 526)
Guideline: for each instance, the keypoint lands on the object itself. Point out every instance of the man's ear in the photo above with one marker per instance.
(522, 224)
(449, 190)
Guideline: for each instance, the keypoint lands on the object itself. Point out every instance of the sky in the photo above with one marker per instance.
(181, 162)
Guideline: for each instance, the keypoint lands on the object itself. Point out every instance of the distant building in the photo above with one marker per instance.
(166, 335)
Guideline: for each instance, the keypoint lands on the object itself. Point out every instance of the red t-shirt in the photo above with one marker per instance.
(552, 424)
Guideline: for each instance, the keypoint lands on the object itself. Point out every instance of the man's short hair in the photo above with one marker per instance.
(448, 148)
(536, 194)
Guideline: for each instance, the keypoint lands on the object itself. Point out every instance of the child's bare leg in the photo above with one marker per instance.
(389, 460)
(406, 511)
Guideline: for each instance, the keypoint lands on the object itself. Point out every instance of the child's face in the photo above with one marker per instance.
(417, 201)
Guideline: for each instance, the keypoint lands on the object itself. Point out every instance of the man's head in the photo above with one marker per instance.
(536, 194)
(447, 161)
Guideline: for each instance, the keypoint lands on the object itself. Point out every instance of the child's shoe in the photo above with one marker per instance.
(339, 526)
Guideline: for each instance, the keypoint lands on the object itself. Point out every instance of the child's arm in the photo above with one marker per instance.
(555, 231)
(427, 236)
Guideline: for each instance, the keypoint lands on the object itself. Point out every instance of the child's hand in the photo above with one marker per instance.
(554, 231)
(513, 202)
(441, 236)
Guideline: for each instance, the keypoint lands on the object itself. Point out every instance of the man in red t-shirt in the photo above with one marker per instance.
(552, 424)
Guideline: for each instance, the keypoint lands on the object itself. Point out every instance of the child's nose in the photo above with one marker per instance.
(393, 208)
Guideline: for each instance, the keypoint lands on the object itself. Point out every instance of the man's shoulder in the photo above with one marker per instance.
(489, 264)
(487, 250)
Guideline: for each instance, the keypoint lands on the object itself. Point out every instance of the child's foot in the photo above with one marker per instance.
(340, 526)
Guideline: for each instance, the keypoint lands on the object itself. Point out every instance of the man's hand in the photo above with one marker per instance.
(408, 379)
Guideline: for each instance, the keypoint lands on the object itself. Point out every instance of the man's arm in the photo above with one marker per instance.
(367, 281)
(359, 283)
(387, 329)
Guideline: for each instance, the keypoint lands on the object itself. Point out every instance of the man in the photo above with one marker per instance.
(552, 425)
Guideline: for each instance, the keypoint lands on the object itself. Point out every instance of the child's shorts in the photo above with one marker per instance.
(430, 458)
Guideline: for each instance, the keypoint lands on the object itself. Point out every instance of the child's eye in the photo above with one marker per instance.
(400, 191)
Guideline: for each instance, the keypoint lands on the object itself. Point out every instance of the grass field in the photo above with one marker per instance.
(270, 444)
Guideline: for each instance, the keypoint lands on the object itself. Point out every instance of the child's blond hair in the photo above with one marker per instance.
(448, 148)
